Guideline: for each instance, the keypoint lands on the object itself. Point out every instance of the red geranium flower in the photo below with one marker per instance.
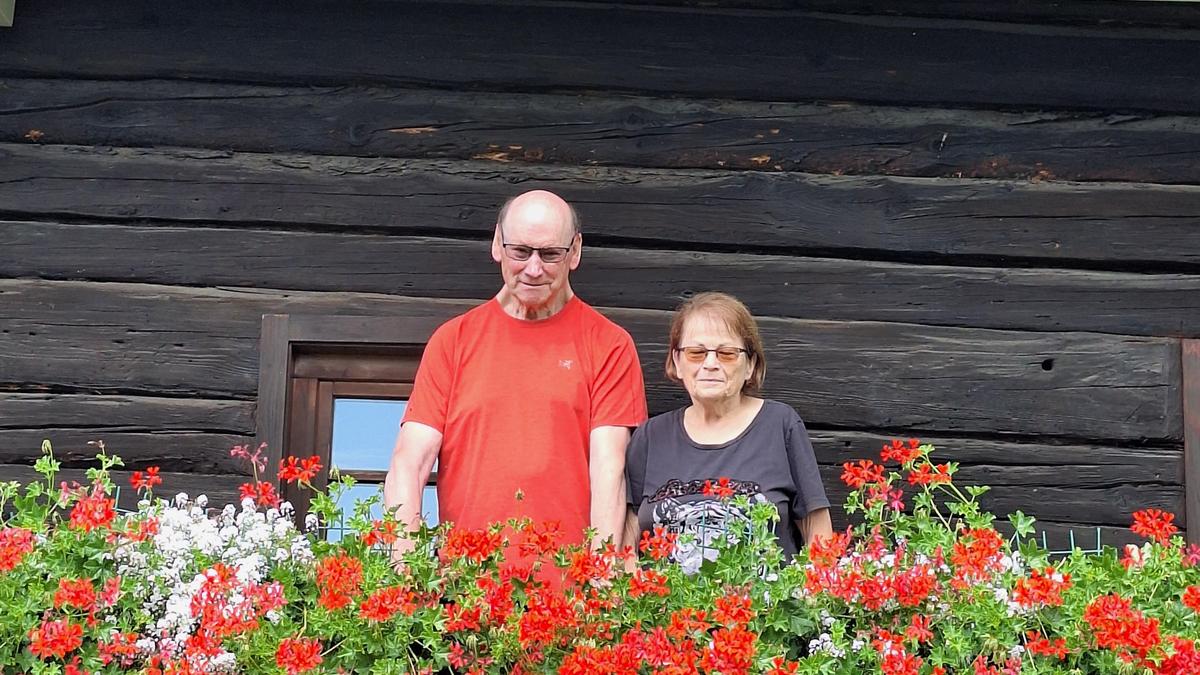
(900, 451)
(386, 603)
(298, 655)
(145, 481)
(15, 544)
(1154, 524)
(340, 578)
(55, 639)
(658, 545)
(1191, 598)
(303, 471)
(78, 593)
(92, 512)
(859, 474)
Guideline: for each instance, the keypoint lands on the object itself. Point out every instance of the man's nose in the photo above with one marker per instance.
(535, 266)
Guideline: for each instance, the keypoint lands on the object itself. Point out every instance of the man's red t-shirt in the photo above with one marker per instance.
(515, 402)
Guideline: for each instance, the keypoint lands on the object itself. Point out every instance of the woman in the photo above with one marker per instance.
(727, 432)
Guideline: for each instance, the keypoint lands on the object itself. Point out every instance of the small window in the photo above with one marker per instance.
(336, 387)
(364, 430)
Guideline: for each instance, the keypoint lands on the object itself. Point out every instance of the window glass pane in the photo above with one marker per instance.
(364, 431)
(363, 491)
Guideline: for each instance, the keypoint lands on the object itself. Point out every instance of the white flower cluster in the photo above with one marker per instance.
(167, 569)
(824, 643)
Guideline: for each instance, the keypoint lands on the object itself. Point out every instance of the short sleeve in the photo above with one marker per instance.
(806, 475)
(618, 394)
(430, 397)
(635, 466)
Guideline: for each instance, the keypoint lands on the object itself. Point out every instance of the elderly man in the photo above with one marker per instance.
(533, 392)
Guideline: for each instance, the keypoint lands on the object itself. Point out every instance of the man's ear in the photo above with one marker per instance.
(578, 254)
(497, 247)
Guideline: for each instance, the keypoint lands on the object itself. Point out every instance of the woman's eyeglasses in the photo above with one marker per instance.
(698, 354)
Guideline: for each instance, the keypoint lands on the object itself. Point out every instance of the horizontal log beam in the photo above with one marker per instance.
(183, 451)
(123, 413)
(994, 462)
(598, 130)
(1147, 228)
(114, 338)
(527, 47)
(814, 288)
(221, 489)
(1096, 13)
(1111, 506)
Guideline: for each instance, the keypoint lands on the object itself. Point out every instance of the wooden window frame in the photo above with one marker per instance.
(307, 361)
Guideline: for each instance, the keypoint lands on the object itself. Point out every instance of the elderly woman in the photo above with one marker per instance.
(727, 432)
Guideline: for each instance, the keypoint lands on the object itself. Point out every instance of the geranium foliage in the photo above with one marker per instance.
(924, 584)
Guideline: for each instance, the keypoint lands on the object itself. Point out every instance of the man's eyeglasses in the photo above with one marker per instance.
(548, 254)
(724, 354)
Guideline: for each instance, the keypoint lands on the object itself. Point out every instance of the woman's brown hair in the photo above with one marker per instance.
(737, 318)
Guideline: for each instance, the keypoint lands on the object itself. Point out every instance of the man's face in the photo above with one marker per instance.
(534, 282)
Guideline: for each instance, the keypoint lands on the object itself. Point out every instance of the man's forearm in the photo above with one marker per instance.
(608, 513)
(606, 474)
(402, 496)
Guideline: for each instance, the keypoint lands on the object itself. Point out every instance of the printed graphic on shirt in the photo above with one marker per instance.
(701, 520)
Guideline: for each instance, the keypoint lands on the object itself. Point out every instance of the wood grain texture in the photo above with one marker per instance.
(606, 130)
(1144, 227)
(519, 46)
(1191, 436)
(115, 337)
(182, 451)
(803, 287)
(221, 489)
(123, 413)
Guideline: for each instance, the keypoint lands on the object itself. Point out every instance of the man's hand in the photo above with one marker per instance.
(606, 469)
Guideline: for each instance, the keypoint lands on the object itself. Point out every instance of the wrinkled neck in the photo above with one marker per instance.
(518, 310)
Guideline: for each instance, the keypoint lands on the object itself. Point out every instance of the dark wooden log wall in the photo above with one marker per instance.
(972, 222)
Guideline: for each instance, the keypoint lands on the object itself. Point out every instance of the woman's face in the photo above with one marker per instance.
(711, 379)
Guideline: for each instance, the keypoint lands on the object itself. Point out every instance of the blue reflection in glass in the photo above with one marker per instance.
(363, 491)
(364, 432)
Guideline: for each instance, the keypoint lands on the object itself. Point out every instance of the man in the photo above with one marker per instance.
(532, 392)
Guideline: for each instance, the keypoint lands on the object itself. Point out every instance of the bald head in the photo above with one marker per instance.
(542, 207)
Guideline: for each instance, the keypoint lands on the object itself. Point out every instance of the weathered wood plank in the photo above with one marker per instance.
(123, 413)
(220, 489)
(1149, 228)
(1191, 435)
(183, 451)
(840, 138)
(813, 288)
(511, 46)
(994, 462)
(1091, 13)
(1110, 506)
(117, 338)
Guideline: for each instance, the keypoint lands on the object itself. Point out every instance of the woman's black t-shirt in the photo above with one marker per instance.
(771, 460)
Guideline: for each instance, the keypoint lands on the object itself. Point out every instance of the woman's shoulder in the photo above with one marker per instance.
(662, 421)
(776, 412)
